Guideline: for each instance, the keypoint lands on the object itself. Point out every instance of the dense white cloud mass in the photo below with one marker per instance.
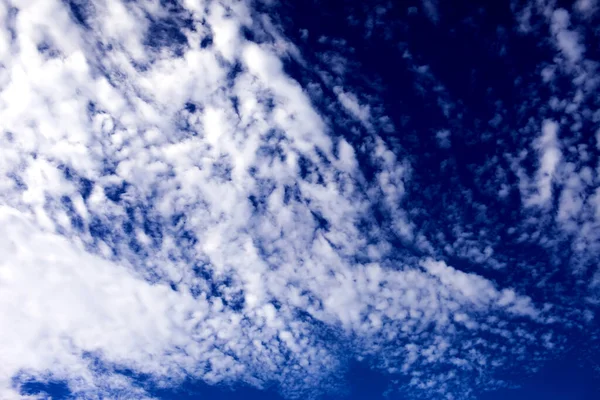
(173, 203)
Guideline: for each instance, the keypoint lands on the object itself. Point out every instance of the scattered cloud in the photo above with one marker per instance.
(179, 202)
(549, 158)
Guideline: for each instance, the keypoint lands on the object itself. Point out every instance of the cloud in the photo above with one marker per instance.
(443, 138)
(479, 291)
(586, 7)
(431, 9)
(567, 40)
(350, 103)
(176, 204)
(73, 302)
(550, 155)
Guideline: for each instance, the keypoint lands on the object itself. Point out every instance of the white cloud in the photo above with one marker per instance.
(586, 7)
(352, 105)
(567, 41)
(479, 291)
(128, 172)
(550, 155)
(571, 202)
(443, 138)
(71, 302)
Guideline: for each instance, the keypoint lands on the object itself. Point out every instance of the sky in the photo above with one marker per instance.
(254, 199)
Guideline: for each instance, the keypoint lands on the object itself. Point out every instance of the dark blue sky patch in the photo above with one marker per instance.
(206, 42)
(152, 227)
(272, 146)
(81, 11)
(109, 167)
(55, 389)
(321, 222)
(291, 193)
(308, 170)
(235, 103)
(115, 192)
(231, 295)
(202, 270)
(145, 218)
(192, 389)
(554, 382)
(92, 108)
(99, 229)
(167, 33)
(190, 107)
(85, 187)
(363, 382)
(257, 205)
(248, 34)
(173, 6)
(121, 233)
(222, 288)
(259, 198)
(77, 221)
(233, 72)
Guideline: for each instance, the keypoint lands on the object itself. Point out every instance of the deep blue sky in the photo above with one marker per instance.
(560, 379)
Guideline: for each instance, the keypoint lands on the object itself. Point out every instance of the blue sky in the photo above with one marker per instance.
(554, 381)
(315, 199)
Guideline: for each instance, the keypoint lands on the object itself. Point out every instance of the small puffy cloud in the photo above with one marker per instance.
(549, 153)
(567, 41)
(431, 9)
(443, 138)
(352, 105)
(586, 7)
